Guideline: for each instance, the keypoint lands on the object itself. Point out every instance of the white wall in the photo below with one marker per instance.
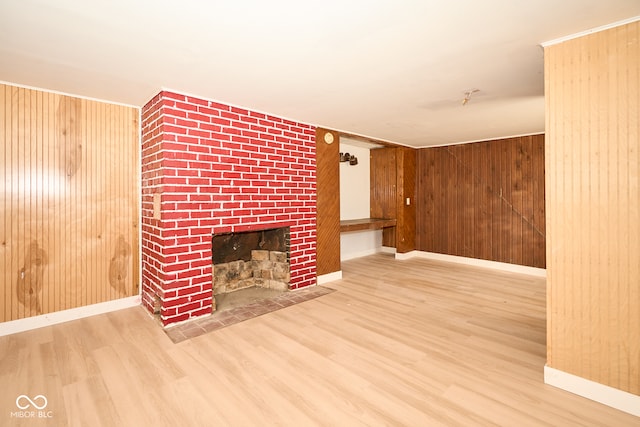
(355, 203)
(354, 184)
(355, 244)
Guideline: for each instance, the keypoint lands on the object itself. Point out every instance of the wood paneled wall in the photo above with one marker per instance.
(593, 204)
(483, 200)
(384, 193)
(406, 214)
(393, 180)
(69, 202)
(328, 200)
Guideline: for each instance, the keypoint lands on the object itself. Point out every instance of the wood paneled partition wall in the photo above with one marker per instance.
(69, 202)
(384, 191)
(328, 202)
(483, 200)
(393, 178)
(593, 203)
(406, 219)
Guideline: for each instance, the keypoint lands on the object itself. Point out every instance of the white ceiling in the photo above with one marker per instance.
(394, 70)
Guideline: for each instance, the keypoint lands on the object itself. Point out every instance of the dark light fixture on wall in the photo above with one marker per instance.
(351, 159)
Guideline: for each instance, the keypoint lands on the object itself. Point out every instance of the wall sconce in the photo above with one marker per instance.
(351, 159)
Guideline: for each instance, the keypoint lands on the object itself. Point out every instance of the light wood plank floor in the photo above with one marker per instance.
(408, 343)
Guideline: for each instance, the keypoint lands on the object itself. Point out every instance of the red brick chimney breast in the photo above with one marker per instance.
(211, 168)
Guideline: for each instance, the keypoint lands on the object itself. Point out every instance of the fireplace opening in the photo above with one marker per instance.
(249, 266)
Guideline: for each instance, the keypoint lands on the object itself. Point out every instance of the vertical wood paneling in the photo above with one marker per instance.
(384, 192)
(69, 202)
(593, 201)
(406, 215)
(538, 220)
(328, 203)
(483, 200)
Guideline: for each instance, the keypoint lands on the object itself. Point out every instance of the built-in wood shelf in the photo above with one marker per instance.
(366, 224)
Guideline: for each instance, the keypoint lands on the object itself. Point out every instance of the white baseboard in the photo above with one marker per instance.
(360, 254)
(26, 324)
(329, 277)
(601, 393)
(387, 250)
(513, 268)
(406, 255)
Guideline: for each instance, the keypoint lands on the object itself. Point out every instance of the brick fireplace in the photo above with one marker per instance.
(210, 169)
(250, 259)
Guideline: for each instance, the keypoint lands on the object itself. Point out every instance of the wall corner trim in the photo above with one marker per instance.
(329, 277)
(618, 399)
(590, 31)
(49, 319)
(503, 266)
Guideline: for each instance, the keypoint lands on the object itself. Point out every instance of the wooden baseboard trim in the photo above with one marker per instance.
(513, 268)
(618, 399)
(35, 322)
(329, 277)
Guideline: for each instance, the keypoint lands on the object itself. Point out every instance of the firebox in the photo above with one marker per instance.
(249, 259)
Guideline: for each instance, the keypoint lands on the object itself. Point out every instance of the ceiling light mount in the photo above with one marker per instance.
(467, 96)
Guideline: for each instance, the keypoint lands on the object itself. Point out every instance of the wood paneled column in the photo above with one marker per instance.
(328, 199)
